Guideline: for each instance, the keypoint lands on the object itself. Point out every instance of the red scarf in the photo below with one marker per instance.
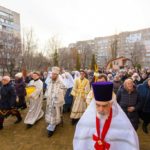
(100, 143)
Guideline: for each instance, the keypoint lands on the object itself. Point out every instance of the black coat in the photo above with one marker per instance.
(144, 92)
(20, 88)
(126, 100)
(116, 84)
(8, 97)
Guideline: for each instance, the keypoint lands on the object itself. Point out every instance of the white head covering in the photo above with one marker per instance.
(67, 79)
(136, 76)
(19, 75)
(76, 74)
(110, 77)
(48, 78)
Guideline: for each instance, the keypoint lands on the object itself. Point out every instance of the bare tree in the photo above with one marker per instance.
(137, 51)
(53, 46)
(113, 47)
(65, 58)
(29, 49)
(85, 51)
(73, 58)
(40, 63)
(32, 57)
(10, 52)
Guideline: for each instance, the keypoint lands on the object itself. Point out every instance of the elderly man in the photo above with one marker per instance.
(7, 101)
(129, 100)
(35, 108)
(80, 90)
(55, 101)
(104, 126)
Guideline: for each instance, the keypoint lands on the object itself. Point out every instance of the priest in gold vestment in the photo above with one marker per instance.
(80, 90)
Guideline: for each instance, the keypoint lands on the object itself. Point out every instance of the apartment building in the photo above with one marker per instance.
(131, 45)
(10, 39)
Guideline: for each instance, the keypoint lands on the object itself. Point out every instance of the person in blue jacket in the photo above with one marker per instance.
(144, 92)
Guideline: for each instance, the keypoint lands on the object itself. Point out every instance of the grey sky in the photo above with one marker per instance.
(74, 20)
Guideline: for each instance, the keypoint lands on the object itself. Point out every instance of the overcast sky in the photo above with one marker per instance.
(74, 20)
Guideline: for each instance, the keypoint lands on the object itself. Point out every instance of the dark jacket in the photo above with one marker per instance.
(126, 100)
(8, 96)
(144, 92)
(124, 78)
(28, 79)
(116, 86)
(136, 82)
(20, 87)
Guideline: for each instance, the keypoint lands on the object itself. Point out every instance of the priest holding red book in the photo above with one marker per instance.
(104, 126)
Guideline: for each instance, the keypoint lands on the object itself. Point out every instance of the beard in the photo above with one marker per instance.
(102, 115)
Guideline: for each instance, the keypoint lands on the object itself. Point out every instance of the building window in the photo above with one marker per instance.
(2, 20)
(3, 27)
(4, 14)
(148, 54)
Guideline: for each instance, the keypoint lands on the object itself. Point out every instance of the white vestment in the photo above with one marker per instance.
(35, 107)
(55, 100)
(121, 135)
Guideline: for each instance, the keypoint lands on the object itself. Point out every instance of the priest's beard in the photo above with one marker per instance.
(102, 115)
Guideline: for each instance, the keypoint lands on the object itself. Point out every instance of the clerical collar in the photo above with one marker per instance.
(36, 79)
(81, 79)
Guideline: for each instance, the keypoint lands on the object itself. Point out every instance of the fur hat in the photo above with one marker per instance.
(19, 75)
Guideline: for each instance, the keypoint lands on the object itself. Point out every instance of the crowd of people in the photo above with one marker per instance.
(73, 92)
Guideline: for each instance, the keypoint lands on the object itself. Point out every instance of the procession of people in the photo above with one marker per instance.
(106, 109)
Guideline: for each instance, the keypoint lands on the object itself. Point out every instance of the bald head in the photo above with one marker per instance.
(5, 80)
